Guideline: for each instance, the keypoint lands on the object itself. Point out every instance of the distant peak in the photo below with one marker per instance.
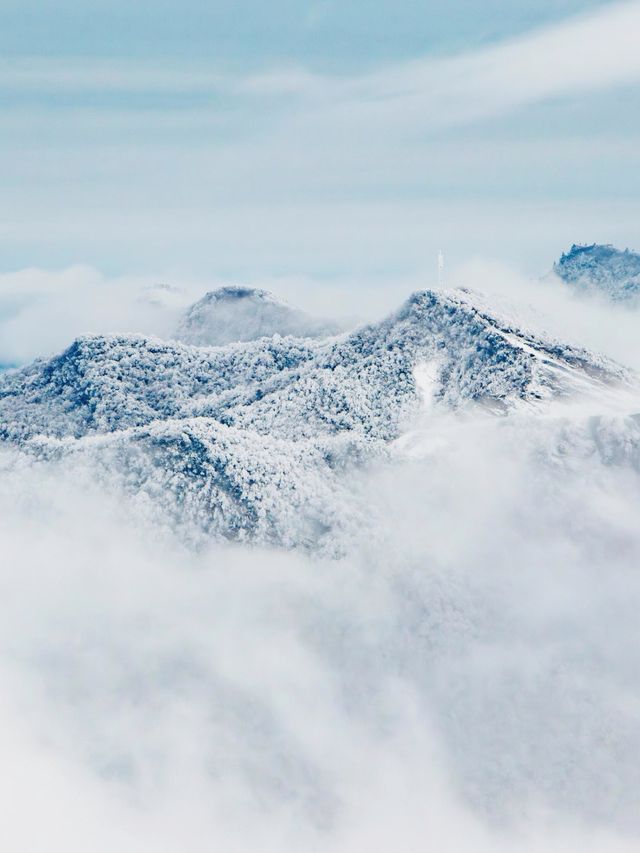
(601, 268)
(232, 292)
(236, 313)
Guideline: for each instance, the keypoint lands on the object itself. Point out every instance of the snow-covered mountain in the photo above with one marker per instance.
(232, 314)
(362, 382)
(251, 440)
(602, 269)
(477, 482)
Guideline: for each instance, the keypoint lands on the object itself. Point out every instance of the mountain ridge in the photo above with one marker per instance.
(252, 441)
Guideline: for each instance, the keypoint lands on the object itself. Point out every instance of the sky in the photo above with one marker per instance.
(351, 140)
(161, 700)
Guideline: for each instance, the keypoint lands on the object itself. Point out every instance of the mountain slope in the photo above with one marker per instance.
(107, 383)
(363, 382)
(367, 381)
(251, 440)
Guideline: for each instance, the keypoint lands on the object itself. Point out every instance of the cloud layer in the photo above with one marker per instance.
(466, 678)
(546, 63)
(130, 164)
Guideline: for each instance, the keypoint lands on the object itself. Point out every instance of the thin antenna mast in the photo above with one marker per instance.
(440, 268)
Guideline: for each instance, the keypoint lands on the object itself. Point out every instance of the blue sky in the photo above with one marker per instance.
(327, 139)
(241, 34)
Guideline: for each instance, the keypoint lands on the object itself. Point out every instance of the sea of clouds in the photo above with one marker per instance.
(466, 678)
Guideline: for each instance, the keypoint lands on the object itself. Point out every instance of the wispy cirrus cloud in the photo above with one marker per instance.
(181, 166)
(581, 54)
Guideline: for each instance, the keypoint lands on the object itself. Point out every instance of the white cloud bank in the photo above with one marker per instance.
(587, 53)
(42, 311)
(467, 680)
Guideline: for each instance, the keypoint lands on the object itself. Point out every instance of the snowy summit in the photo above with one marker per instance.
(602, 269)
(232, 314)
(250, 440)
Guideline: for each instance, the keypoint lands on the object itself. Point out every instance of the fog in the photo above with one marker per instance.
(42, 311)
(466, 677)
(586, 320)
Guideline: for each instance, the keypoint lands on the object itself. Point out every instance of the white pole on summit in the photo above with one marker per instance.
(440, 268)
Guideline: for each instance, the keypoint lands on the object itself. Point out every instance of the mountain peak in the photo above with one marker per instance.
(601, 268)
(233, 292)
(237, 313)
(236, 438)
